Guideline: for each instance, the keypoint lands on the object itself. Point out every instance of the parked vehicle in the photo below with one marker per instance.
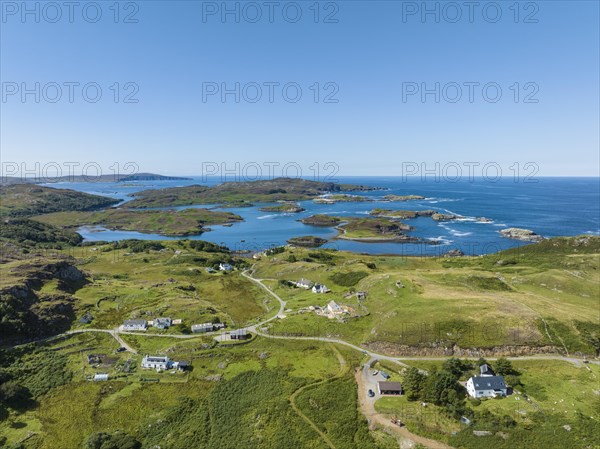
(122, 349)
(371, 393)
(375, 373)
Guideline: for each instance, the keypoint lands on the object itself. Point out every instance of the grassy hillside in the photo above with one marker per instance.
(519, 302)
(274, 393)
(27, 199)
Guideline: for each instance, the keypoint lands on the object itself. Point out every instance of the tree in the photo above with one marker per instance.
(117, 440)
(503, 367)
(454, 366)
(13, 393)
(438, 386)
(413, 384)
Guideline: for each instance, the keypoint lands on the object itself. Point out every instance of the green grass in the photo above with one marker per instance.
(459, 301)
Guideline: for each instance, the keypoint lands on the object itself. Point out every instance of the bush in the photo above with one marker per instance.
(348, 279)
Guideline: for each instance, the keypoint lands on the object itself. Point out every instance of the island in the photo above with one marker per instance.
(266, 191)
(307, 241)
(401, 214)
(164, 222)
(375, 230)
(392, 197)
(341, 198)
(291, 208)
(115, 177)
(524, 235)
(321, 220)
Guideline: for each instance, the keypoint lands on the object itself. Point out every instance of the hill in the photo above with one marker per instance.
(9, 180)
(21, 200)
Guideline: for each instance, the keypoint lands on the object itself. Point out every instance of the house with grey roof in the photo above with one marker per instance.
(304, 283)
(135, 325)
(156, 362)
(320, 288)
(487, 384)
(206, 327)
(162, 323)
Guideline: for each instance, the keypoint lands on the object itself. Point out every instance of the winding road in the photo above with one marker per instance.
(366, 404)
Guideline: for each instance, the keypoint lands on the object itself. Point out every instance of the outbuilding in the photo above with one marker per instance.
(389, 388)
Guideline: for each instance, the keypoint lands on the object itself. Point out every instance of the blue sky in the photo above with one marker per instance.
(370, 56)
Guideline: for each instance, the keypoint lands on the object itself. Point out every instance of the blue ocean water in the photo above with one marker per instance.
(549, 206)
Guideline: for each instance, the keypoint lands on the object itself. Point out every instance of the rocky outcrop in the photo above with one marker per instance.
(454, 253)
(28, 313)
(444, 217)
(524, 235)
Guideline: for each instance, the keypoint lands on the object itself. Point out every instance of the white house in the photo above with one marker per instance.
(135, 325)
(206, 327)
(156, 362)
(225, 267)
(319, 288)
(304, 283)
(487, 384)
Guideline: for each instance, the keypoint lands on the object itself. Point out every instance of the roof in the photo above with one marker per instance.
(135, 322)
(486, 369)
(156, 359)
(239, 332)
(203, 326)
(389, 386)
(488, 383)
(334, 305)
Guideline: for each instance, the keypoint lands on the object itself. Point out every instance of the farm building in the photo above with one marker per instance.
(240, 334)
(135, 325)
(389, 388)
(181, 366)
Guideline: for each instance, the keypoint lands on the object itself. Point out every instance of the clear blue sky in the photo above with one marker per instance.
(369, 53)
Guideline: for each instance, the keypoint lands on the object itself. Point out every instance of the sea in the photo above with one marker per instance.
(550, 207)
